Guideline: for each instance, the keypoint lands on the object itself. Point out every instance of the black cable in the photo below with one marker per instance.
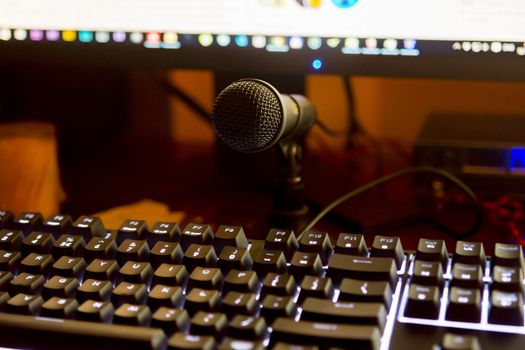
(177, 92)
(400, 173)
(354, 126)
(329, 131)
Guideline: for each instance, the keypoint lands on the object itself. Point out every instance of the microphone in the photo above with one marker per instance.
(250, 116)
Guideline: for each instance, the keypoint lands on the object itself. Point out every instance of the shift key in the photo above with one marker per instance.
(325, 334)
(362, 268)
(324, 310)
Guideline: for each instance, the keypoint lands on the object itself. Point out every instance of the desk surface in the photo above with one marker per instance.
(194, 180)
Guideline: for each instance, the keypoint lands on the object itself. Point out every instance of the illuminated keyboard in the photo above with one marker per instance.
(68, 284)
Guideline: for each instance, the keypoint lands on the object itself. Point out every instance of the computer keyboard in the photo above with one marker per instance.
(68, 284)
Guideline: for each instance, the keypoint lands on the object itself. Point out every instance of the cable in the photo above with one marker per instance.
(400, 173)
(355, 126)
(329, 131)
(177, 92)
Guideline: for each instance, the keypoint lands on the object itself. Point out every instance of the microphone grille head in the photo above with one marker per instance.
(248, 115)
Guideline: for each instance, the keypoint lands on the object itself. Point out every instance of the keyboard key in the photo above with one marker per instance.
(428, 273)
(69, 267)
(508, 279)
(58, 307)
(199, 255)
(388, 247)
(132, 229)
(5, 278)
(506, 308)
(132, 250)
(10, 239)
(362, 268)
(165, 253)
(136, 272)
(131, 293)
(303, 264)
(274, 306)
(205, 278)
(329, 334)
(181, 341)
(236, 303)
(202, 299)
(6, 219)
(4, 297)
(432, 250)
(209, 323)
(57, 225)
(351, 244)
(247, 327)
(196, 234)
(167, 296)
(231, 343)
(37, 263)
(133, 315)
(464, 305)
(241, 281)
(283, 240)
(27, 222)
(68, 245)
(94, 290)
(26, 283)
(453, 341)
(52, 335)
(100, 269)
(170, 275)
(10, 261)
(470, 253)
(366, 291)
(508, 255)
(269, 261)
(316, 242)
(163, 231)
(170, 320)
(95, 311)
(62, 287)
(278, 284)
(236, 258)
(100, 248)
(232, 236)
(323, 310)
(422, 302)
(37, 242)
(25, 304)
(316, 287)
(467, 276)
(88, 227)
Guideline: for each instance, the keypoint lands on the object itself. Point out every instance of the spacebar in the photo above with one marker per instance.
(28, 332)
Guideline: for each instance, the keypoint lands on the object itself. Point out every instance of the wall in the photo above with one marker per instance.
(391, 108)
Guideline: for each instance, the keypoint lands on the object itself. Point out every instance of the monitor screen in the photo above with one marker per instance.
(450, 38)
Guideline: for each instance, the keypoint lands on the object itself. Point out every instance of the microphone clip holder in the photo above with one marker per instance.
(288, 199)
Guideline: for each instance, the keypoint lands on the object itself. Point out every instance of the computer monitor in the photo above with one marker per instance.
(474, 39)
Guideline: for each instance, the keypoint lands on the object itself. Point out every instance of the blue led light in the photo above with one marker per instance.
(517, 158)
(241, 40)
(317, 64)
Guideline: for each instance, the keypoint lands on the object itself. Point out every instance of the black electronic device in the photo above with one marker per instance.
(453, 39)
(205, 287)
(487, 152)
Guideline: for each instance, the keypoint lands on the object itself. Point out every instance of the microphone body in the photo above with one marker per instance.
(250, 116)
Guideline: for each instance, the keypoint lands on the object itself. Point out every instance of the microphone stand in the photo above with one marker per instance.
(289, 207)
